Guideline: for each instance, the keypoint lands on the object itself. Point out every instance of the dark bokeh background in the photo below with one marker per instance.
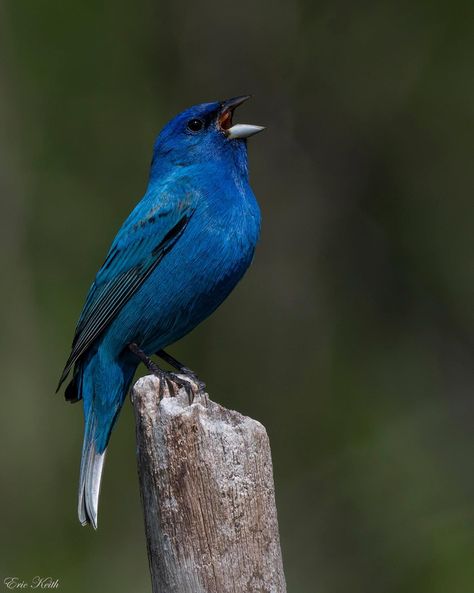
(351, 338)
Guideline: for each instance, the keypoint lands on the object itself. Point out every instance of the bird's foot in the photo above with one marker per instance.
(191, 375)
(173, 381)
(183, 370)
(182, 381)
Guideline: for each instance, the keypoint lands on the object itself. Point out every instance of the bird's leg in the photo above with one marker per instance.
(147, 361)
(182, 369)
(164, 376)
(171, 360)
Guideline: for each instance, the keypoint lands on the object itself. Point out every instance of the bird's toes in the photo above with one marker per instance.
(190, 383)
(201, 386)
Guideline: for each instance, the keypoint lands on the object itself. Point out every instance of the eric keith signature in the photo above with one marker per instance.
(35, 583)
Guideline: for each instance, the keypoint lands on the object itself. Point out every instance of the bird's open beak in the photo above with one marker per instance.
(224, 120)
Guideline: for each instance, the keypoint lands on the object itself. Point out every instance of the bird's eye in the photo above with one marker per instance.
(195, 125)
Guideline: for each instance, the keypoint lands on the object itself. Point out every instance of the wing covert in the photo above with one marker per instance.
(138, 249)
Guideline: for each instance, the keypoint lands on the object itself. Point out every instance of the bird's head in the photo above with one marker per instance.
(202, 134)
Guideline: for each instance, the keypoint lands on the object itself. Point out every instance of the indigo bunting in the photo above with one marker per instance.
(177, 256)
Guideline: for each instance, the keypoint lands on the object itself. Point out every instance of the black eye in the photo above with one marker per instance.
(195, 125)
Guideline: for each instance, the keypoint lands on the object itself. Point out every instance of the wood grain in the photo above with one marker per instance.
(207, 491)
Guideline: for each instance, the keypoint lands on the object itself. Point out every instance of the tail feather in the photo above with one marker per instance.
(92, 463)
(102, 385)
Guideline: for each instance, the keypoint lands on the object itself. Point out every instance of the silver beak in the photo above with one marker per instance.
(243, 131)
(225, 120)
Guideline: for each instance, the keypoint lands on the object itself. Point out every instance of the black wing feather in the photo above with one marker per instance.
(104, 303)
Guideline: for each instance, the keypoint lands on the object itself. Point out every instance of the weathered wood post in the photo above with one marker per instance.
(207, 491)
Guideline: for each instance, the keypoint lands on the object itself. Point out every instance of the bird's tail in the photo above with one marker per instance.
(102, 384)
(92, 463)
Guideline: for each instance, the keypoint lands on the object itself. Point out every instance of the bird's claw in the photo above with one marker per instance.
(201, 386)
(186, 378)
(190, 383)
(168, 381)
(174, 382)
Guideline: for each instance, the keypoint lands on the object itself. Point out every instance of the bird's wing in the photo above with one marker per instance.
(146, 237)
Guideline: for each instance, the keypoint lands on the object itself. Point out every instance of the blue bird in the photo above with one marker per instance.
(177, 256)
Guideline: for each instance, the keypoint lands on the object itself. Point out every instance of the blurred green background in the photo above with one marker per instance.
(351, 337)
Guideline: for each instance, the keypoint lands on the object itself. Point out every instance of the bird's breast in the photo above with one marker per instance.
(195, 276)
(204, 266)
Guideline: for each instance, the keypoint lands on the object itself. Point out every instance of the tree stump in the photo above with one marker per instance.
(207, 491)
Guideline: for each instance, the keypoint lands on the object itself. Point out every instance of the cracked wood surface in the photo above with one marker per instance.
(207, 491)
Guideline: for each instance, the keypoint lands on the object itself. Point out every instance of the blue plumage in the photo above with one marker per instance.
(175, 259)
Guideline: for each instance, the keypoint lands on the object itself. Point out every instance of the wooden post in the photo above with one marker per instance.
(207, 491)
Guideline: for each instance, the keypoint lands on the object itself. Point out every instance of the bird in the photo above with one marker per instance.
(178, 255)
